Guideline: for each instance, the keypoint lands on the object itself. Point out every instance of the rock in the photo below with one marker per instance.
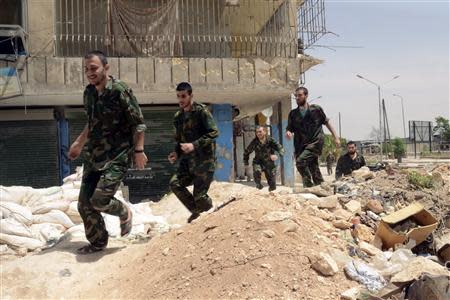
(277, 216)
(165, 252)
(363, 174)
(369, 249)
(341, 224)
(375, 206)
(353, 206)
(350, 294)
(416, 267)
(342, 214)
(268, 233)
(266, 266)
(290, 226)
(317, 190)
(341, 258)
(325, 265)
(328, 202)
(362, 233)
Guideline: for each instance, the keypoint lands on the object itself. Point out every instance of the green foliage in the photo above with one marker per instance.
(387, 148)
(399, 148)
(419, 180)
(329, 146)
(443, 128)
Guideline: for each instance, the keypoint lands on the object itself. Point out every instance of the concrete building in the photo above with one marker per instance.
(243, 57)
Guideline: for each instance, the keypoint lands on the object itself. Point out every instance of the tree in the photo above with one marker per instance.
(329, 146)
(399, 148)
(442, 128)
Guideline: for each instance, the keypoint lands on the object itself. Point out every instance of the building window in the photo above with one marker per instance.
(11, 12)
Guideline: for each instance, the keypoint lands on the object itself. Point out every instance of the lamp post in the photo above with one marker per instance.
(403, 115)
(379, 106)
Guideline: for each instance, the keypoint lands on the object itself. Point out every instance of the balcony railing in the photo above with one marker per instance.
(177, 28)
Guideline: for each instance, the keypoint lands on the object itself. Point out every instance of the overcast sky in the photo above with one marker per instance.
(405, 38)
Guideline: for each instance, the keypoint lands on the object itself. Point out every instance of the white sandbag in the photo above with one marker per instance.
(70, 178)
(47, 232)
(2, 216)
(37, 199)
(44, 208)
(13, 227)
(73, 213)
(16, 211)
(77, 184)
(112, 224)
(54, 216)
(14, 194)
(76, 231)
(71, 194)
(53, 190)
(21, 241)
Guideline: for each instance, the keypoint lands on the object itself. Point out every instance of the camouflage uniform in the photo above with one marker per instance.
(113, 118)
(197, 127)
(262, 162)
(308, 141)
(346, 165)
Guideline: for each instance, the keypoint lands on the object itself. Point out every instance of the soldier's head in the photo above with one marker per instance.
(96, 67)
(301, 94)
(351, 147)
(184, 95)
(260, 132)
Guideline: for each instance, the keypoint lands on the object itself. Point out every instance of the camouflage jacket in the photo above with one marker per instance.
(197, 127)
(307, 129)
(346, 165)
(113, 118)
(263, 151)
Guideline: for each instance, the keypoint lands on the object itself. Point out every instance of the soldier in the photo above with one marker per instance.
(195, 135)
(113, 136)
(264, 161)
(350, 161)
(330, 160)
(305, 124)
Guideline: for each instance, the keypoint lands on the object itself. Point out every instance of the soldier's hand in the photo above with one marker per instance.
(74, 151)
(172, 157)
(288, 134)
(140, 160)
(187, 147)
(273, 157)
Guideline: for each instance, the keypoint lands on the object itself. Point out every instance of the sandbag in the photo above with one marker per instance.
(41, 198)
(14, 194)
(16, 211)
(73, 213)
(47, 232)
(46, 207)
(21, 241)
(13, 227)
(54, 216)
(71, 194)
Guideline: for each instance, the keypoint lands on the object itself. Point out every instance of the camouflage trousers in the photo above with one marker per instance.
(96, 196)
(270, 171)
(308, 166)
(201, 176)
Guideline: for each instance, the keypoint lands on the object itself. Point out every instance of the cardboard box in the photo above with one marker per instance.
(427, 223)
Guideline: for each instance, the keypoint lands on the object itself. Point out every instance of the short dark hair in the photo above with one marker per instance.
(260, 126)
(184, 86)
(351, 143)
(302, 88)
(99, 54)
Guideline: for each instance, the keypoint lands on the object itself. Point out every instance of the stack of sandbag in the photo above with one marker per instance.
(37, 218)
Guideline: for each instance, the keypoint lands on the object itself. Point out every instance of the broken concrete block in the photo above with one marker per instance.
(342, 214)
(350, 294)
(363, 174)
(369, 249)
(325, 265)
(341, 224)
(328, 202)
(375, 206)
(362, 233)
(353, 206)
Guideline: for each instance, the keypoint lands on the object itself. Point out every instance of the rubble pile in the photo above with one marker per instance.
(35, 219)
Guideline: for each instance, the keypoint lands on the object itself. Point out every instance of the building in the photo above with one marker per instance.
(241, 56)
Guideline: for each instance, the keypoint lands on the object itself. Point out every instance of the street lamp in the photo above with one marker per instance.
(379, 106)
(403, 115)
(315, 99)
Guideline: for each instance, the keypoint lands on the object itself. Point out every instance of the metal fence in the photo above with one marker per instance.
(311, 23)
(180, 28)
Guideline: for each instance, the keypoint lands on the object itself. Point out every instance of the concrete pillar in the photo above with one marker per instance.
(288, 160)
(223, 115)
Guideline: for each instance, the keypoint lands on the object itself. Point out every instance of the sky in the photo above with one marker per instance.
(405, 38)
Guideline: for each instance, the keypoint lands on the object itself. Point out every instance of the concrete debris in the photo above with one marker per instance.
(329, 202)
(341, 224)
(351, 294)
(277, 216)
(353, 206)
(375, 206)
(324, 264)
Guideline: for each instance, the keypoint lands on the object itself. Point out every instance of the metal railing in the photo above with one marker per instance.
(177, 28)
(311, 23)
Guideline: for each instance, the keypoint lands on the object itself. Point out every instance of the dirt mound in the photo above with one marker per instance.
(257, 246)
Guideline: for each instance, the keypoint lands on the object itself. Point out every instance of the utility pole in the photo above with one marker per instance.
(340, 133)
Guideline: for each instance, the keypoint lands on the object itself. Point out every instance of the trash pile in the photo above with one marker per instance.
(33, 219)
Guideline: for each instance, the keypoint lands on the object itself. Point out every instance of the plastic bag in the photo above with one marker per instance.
(366, 275)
